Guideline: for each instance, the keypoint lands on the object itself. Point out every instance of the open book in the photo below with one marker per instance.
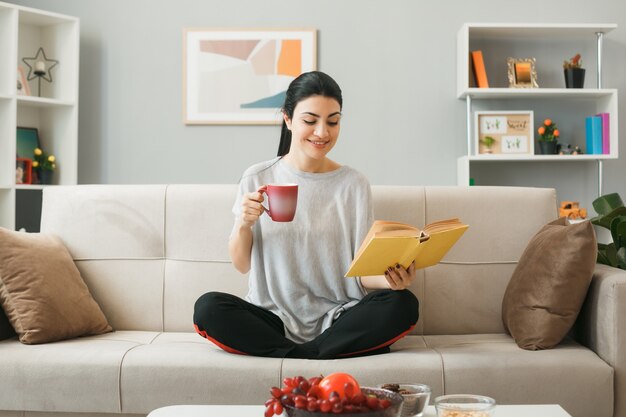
(391, 243)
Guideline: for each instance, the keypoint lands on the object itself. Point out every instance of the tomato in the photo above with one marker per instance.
(338, 382)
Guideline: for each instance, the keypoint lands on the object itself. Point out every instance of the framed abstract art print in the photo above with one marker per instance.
(240, 76)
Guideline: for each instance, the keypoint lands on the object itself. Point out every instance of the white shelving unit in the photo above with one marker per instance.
(54, 113)
(568, 107)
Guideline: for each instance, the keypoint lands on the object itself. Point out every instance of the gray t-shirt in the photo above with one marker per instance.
(297, 268)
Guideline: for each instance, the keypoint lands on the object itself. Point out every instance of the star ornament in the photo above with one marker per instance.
(40, 66)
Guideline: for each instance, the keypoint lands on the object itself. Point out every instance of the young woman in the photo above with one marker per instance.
(299, 304)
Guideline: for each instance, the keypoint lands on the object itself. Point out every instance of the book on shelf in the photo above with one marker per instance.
(593, 135)
(478, 67)
(606, 130)
(389, 243)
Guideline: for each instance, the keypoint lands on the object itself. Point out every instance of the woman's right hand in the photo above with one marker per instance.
(240, 243)
(251, 207)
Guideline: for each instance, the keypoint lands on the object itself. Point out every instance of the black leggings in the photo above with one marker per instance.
(370, 327)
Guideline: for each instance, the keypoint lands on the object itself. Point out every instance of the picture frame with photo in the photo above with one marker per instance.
(27, 139)
(522, 73)
(504, 133)
(23, 89)
(234, 77)
(23, 171)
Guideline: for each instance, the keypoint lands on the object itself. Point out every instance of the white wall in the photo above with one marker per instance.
(395, 60)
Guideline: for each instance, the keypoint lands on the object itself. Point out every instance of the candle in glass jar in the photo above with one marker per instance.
(40, 66)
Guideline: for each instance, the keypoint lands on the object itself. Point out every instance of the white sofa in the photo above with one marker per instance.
(147, 252)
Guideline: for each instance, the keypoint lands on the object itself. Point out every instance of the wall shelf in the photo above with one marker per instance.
(537, 158)
(540, 31)
(514, 93)
(28, 101)
(31, 187)
(55, 114)
(550, 43)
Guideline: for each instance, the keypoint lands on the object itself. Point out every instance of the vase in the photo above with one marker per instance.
(574, 77)
(45, 176)
(548, 148)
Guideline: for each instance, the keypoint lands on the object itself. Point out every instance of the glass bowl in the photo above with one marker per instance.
(464, 405)
(392, 411)
(416, 397)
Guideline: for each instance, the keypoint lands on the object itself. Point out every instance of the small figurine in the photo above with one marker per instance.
(565, 149)
(571, 210)
(569, 150)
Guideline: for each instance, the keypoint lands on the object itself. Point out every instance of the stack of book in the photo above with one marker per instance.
(597, 134)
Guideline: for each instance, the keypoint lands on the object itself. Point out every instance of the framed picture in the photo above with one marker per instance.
(23, 89)
(27, 141)
(23, 171)
(241, 76)
(504, 132)
(522, 73)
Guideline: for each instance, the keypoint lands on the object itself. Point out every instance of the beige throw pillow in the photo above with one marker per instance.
(549, 284)
(42, 292)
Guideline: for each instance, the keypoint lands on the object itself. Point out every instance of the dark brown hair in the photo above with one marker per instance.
(314, 83)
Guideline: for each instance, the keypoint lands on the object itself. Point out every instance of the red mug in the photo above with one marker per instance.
(282, 199)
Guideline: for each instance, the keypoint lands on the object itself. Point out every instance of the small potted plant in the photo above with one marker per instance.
(44, 165)
(548, 136)
(488, 142)
(574, 73)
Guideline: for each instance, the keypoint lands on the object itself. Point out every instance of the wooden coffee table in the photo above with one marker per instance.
(544, 410)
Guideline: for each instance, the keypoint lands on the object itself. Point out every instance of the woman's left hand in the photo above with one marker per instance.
(399, 278)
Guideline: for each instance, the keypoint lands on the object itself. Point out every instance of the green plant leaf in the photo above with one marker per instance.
(605, 221)
(605, 204)
(596, 220)
(611, 254)
(602, 259)
(621, 258)
(618, 231)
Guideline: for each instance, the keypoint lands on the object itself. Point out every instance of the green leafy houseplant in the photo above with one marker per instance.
(611, 216)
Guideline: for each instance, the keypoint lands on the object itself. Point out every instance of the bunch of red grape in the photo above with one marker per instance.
(323, 395)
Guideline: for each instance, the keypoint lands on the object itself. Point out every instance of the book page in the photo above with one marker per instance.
(384, 226)
(399, 233)
(442, 225)
(432, 251)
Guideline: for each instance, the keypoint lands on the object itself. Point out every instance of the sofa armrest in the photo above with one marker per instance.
(601, 325)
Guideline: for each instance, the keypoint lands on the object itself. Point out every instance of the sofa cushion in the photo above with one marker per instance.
(80, 375)
(549, 284)
(42, 292)
(183, 368)
(492, 364)
(410, 360)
